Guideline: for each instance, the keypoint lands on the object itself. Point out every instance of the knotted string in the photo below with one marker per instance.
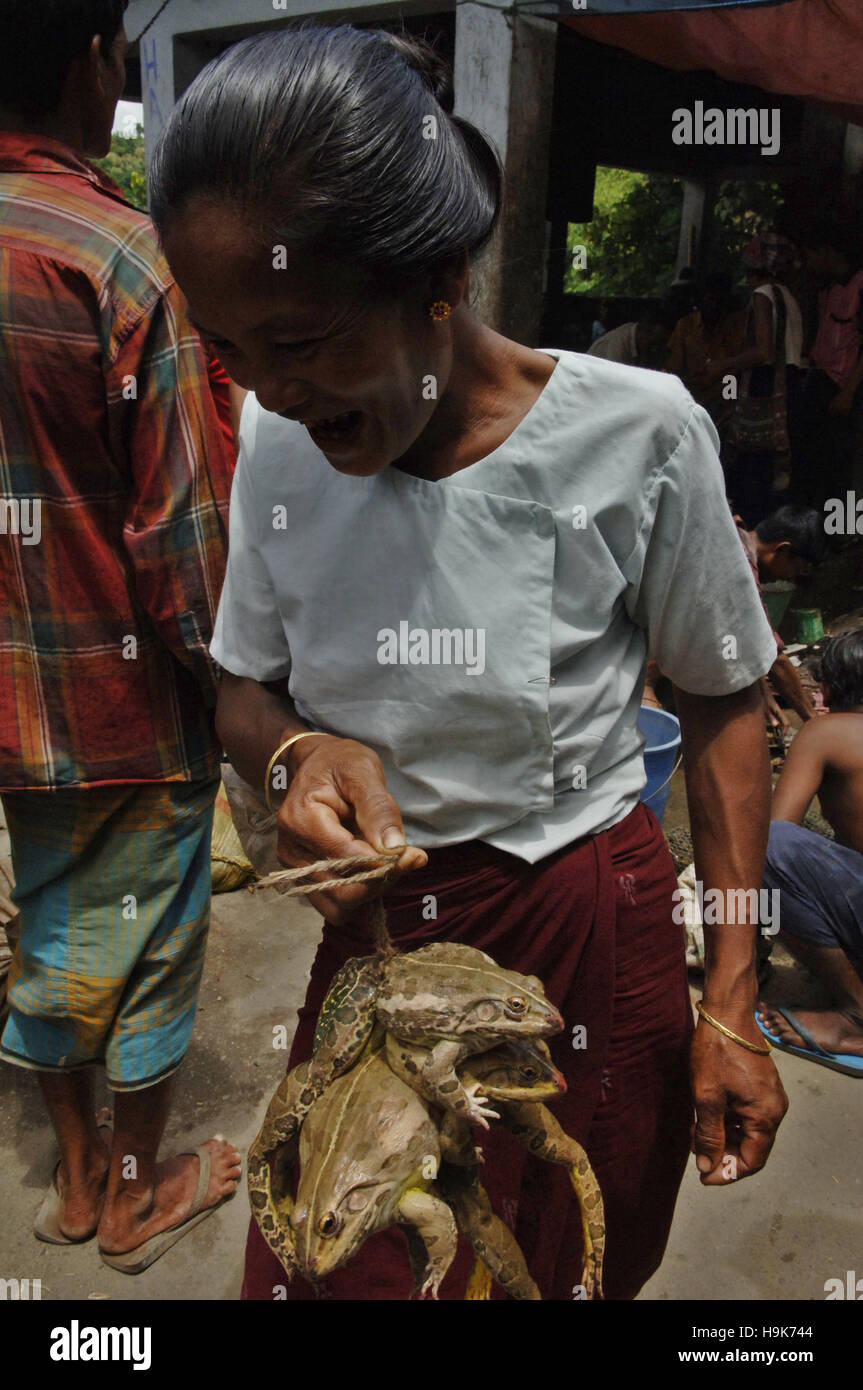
(353, 869)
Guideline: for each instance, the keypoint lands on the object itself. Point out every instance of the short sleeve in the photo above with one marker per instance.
(249, 638)
(689, 582)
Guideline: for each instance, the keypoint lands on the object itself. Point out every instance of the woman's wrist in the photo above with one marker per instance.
(299, 750)
(731, 990)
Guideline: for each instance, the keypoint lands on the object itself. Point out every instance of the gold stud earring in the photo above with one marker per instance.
(440, 310)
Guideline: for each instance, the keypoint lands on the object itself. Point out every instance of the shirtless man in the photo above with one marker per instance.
(821, 883)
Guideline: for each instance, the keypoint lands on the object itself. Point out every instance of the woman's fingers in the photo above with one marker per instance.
(338, 806)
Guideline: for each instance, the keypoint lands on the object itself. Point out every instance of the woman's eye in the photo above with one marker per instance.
(304, 349)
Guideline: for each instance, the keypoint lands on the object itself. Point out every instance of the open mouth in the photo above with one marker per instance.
(335, 430)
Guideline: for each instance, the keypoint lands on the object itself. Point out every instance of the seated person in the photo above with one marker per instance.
(821, 882)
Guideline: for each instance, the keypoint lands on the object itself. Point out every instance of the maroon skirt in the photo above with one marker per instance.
(594, 922)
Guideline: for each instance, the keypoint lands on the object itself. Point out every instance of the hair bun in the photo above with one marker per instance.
(433, 69)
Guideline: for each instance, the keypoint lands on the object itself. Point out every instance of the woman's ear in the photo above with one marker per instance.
(451, 282)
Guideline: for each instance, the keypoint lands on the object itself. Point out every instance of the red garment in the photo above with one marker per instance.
(220, 385)
(839, 340)
(593, 921)
(803, 48)
(109, 426)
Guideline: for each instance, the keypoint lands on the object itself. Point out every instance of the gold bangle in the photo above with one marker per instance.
(735, 1037)
(279, 753)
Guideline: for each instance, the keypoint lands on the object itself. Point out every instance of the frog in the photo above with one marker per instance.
(536, 1127)
(519, 1076)
(447, 1001)
(368, 1150)
(276, 1211)
(441, 1003)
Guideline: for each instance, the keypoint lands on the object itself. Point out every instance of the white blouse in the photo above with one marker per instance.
(486, 634)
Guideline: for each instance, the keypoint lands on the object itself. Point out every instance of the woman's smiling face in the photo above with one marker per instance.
(310, 339)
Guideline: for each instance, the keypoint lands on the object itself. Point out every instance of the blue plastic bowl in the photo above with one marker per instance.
(662, 733)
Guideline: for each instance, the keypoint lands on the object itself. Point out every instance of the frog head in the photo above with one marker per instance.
(449, 990)
(520, 1070)
(365, 1143)
(330, 1227)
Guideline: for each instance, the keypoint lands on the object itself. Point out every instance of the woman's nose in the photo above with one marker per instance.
(278, 391)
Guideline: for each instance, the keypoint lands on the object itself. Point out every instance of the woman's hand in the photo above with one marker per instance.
(739, 1101)
(338, 805)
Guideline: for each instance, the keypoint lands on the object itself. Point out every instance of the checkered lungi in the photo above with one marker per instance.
(113, 887)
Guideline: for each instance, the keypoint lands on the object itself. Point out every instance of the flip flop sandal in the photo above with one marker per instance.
(146, 1254)
(845, 1062)
(47, 1224)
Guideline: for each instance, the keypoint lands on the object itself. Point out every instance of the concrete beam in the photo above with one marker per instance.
(504, 82)
(198, 16)
(168, 49)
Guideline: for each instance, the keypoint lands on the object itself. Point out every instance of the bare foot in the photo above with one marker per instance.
(128, 1219)
(834, 1030)
(82, 1193)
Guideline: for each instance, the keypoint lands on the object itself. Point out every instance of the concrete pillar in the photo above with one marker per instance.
(852, 152)
(504, 81)
(691, 223)
(157, 79)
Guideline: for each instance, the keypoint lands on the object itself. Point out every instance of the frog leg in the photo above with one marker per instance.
(280, 1131)
(345, 1021)
(434, 1226)
(456, 1141)
(432, 1072)
(492, 1240)
(536, 1128)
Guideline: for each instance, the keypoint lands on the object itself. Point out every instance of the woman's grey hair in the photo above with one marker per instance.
(342, 141)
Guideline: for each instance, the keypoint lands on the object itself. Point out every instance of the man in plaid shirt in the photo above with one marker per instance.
(114, 483)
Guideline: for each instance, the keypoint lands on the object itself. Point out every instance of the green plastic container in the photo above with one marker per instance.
(777, 596)
(809, 625)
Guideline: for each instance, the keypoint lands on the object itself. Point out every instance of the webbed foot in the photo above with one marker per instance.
(479, 1111)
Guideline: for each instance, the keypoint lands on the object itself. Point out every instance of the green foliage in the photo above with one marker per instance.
(126, 165)
(741, 210)
(631, 243)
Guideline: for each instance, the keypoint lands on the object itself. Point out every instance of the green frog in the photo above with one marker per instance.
(440, 1004)
(521, 1068)
(446, 1002)
(535, 1127)
(518, 1076)
(369, 1150)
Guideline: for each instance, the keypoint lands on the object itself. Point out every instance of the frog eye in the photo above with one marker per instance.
(529, 1073)
(329, 1224)
(516, 1006)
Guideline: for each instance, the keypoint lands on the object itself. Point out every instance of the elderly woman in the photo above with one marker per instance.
(448, 554)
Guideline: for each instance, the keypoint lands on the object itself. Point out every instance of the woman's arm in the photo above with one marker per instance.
(336, 804)
(739, 1098)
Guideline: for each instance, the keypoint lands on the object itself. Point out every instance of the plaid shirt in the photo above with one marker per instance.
(114, 487)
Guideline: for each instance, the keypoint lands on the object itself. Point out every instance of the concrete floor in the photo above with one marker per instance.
(780, 1235)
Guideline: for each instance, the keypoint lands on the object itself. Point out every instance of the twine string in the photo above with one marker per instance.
(352, 869)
